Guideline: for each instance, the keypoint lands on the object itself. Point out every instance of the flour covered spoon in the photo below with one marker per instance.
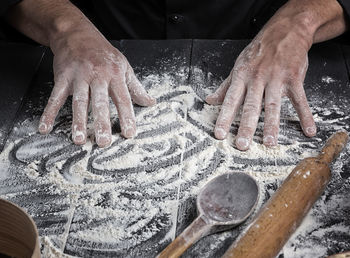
(223, 203)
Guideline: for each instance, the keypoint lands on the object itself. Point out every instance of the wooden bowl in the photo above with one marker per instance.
(18, 233)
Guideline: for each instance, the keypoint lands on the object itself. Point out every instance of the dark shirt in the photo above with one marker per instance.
(5, 5)
(169, 19)
(346, 7)
(6, 31)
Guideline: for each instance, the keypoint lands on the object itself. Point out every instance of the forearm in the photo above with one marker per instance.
(313, 20)
(330, 30)
(48, 21)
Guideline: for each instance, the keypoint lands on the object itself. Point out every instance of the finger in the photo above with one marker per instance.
(57, 98)
(299, 101)
(250, 115)
(80, 111)
(100, 111)
(273, 95)
(122, 100)
(233, 100)
(137, 91)
(218, 96)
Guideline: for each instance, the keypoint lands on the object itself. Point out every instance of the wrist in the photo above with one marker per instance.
(69, 26)
(312, 19)
(71, 34)
(76, 36)
(61, 28)
(293, 30)
(304, 26)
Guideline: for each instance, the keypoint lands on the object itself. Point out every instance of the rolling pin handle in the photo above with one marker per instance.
(333, 147)
(265, 237)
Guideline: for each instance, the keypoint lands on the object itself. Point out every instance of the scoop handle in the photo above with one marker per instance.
(197, 229)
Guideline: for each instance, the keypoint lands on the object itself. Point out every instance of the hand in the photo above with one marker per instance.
(273, 65)
(88, 67)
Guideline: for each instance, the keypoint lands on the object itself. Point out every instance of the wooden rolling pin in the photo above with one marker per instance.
(341, 255)
(283, 213)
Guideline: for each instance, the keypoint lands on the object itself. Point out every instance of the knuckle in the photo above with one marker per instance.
(80, 100)
(228, 102)
(238, 75)
(61, 80)
(246, 130)
(292, 76)
(271, 128)
(239, 70)
(250, 115)
(258, 74)
(119, 62)
(101, 104)
(251, 106)
(272, 106)
(128, 121)
(99, 87)
(122, 95)
(223, 122)
(61, 71)
(53, 102)
(297, 96)
(130, 79)
(118, 70)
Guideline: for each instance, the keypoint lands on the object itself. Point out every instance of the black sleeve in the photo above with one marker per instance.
(7, 32)
(6, 4)
(346, 7)
(345, 38)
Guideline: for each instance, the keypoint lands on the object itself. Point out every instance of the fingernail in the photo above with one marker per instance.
(311, 130)
(42, 127)
(129, 133)
(102, 140)
(210, 99)
(242, 143)
(152, 101)
(78, 137)
(220, 133)
(269, 140)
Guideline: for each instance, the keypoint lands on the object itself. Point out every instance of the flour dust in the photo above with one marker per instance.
(130, 199)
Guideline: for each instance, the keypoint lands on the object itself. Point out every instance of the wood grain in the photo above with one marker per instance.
(283, 213)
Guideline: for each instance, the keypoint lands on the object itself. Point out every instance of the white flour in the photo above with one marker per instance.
(121, 197)
(327, 79)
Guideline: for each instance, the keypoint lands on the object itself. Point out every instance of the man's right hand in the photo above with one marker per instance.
(274, 65)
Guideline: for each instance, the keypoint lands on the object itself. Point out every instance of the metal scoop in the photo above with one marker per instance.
(223, 203)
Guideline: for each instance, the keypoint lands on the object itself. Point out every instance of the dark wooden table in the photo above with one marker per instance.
(26, 82)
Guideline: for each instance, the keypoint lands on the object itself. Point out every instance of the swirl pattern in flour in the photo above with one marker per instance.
(126, 199)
